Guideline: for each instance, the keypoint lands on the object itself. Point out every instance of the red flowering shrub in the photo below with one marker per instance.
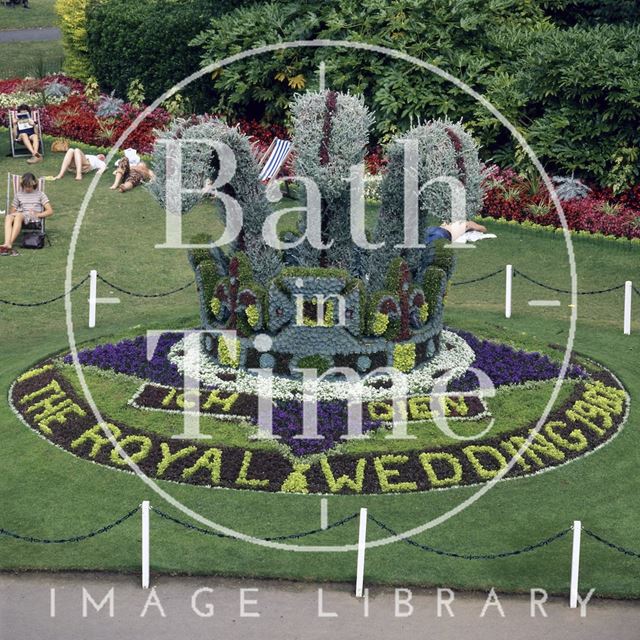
(512, 197)
(76, 117)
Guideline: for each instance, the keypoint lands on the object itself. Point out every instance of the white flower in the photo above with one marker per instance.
(455, 357)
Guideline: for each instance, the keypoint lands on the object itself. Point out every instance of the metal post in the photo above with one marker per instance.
(507, 293)
(627, 307)
(362, 541)
(145, 544)
(93, 292)
(575, 564)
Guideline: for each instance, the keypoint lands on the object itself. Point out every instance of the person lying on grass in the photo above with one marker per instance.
(79, 162)
(25, 131)
(28, 206)
(452, 231)
(129, 176)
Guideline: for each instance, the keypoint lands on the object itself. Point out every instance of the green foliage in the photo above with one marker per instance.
(582, 88)
(135, 93)
(572, 12)
(73, 25)
(148, 41)
(210, 278)
(572, 92)
(444, 258)
(434, 284)
(454, 36)
(178, 105)
(318, 362)
(315, 272)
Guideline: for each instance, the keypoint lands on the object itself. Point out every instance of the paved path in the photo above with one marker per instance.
(287, 611)
(22, 35)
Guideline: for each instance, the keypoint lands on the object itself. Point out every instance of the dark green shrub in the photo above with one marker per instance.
(458, 37)
(434, 285)
(573, 12)
(582, 88)
(148, 41)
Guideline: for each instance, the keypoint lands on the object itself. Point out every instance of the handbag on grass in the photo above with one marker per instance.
(33, 240)
(60, 145)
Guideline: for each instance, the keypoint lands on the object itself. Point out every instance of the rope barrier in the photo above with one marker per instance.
(486, 556)
(84, 536)
(485, 277)
(290, 536)
(38, 304)
(145, 295)
(580, 293)
(191, 283)
(338, 523)
(617, 547)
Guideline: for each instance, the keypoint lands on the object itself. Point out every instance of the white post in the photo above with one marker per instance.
(145, 544)
(627, 307)
(362, 541)
(93, 292)
(507, 291)
(575, 564)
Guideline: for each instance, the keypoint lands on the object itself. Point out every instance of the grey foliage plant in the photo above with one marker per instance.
(445, 150)
(330, 134)
(56, 89)
(109, 106)
(200, 169)
(570, 188)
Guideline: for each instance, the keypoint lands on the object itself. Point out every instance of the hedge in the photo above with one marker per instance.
(149, 41)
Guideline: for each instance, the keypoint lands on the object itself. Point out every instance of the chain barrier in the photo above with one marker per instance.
(333, 525)
(485, 277)
(617, 547)
(291, 536)
(463, 556)
(191, 283)
(91, 534)
(38, 304)
(580, 293)
(145, 295)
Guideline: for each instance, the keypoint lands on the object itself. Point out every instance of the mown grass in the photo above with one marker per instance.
(34, 59)
(48, 492)
(41, 13)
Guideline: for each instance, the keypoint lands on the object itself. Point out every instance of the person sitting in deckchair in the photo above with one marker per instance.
(25, 131)
(29, 204)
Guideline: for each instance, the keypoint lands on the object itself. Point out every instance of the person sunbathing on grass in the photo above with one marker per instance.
(25, 131)
(452, 231)
(79, 162)
(29, 205)
(128, 177)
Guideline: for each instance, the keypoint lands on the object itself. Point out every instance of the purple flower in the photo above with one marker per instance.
(332, 424)
(506, 365)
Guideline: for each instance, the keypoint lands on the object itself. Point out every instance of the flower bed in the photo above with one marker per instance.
(592, 416)
(512, 197)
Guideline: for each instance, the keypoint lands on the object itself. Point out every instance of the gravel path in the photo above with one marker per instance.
(286, 611)
(23, 35)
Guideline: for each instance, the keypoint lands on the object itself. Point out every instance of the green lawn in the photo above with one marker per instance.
(41, 13)
(47, 492)
(35, 59)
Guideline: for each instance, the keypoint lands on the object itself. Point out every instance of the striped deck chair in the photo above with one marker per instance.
(274, 158)
(17, 148)
(13, 187)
